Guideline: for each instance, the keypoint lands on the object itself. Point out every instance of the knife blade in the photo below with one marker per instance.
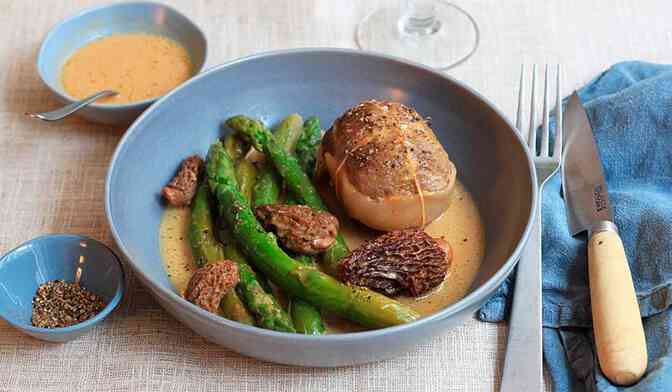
(617, 324)
(583, 184)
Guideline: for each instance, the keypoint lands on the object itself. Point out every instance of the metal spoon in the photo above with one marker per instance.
(67, 110)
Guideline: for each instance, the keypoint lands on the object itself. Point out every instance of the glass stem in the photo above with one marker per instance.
(418, 18)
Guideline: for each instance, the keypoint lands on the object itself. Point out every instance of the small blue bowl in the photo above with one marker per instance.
(51, 257)
(95, 23)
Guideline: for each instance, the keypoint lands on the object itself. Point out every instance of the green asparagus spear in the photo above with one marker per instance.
(207, 249)
(285, 163)
(295, 178)
(253, 288)
(308, 143)
(333, 255)
(307, 319)
(234, 309)
(305, 259)
(267, 188)
(266, 309)
(355, 303)
(235, 147)
(246, 174)
(268, 312)
(289, 131)
(233, 253)
(204, 244)
(289, 198)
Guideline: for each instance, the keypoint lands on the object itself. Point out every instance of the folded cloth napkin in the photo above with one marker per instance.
(630, 110)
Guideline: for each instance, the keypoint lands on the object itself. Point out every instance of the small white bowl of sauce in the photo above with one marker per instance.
(141, 50)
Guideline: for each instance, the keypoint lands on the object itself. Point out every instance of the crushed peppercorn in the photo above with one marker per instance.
(58, 303)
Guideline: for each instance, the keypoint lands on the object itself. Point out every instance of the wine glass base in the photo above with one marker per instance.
(451, 43)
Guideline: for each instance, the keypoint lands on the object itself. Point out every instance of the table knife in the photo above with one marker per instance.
(617, 323)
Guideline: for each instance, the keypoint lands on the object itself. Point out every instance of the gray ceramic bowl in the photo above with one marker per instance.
(91, 24)
(490, 156)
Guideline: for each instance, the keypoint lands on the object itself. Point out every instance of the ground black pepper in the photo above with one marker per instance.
(60, 304)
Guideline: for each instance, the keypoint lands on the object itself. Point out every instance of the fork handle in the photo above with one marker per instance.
(617, 322)
(523, 369)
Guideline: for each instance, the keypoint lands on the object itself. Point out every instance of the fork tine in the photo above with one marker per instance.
(519, 111)
(545, 131)
(532, 133)
(557, 148)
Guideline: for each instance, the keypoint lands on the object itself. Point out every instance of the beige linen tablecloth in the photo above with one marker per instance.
(52, 180)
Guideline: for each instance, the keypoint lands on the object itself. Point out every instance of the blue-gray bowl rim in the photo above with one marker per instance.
(87, 10)
(479, 293)
(109, 307)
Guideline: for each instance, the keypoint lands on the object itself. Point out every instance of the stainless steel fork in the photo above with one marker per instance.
(523, 366)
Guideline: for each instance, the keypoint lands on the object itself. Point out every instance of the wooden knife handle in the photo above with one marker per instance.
(617, 322)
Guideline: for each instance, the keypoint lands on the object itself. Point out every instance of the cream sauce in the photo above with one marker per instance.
(460, 225)
(137, 65)
(175, 249)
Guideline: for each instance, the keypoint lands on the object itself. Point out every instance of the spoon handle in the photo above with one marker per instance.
(67, 110)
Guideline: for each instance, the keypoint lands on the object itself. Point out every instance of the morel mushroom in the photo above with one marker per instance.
(399, 262)
(182, 188)
(299, 228)
(210, 283)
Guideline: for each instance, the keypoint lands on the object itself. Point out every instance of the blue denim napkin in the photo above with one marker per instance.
(630, 109)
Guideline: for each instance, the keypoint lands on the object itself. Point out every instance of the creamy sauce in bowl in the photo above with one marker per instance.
(138, 66)
(460, 225)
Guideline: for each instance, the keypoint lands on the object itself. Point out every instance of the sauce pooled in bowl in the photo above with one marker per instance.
(137, 65)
